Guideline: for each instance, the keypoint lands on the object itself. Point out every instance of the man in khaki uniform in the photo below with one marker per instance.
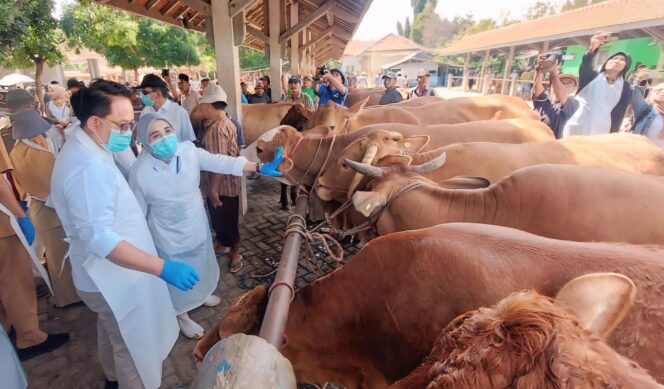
(18, 300)
(33, 157)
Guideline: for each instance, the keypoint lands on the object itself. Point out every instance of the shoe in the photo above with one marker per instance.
(111, 385)
(284, 207)
(212, 301)
(52, 342)
(190, 328)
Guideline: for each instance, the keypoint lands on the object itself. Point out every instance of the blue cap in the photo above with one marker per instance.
(389, 75)
(294, 79)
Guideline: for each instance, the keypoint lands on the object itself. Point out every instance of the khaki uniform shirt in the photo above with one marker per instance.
(5, 167)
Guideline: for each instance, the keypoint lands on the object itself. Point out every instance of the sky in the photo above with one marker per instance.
(382, 16)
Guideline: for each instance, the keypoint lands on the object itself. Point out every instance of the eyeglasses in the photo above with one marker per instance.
(147, 92)
(122, 127)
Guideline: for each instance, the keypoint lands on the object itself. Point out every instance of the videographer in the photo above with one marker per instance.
(329, 85)
(555, 108)
(603, 96)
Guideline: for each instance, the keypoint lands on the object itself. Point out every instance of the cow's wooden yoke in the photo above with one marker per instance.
(281, 291)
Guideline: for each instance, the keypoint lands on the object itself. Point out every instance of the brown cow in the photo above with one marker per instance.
(374, 95)
(373, 321)
(509, 131)
(494, 161)
(457, 110)
(580, 203)
(527, 341)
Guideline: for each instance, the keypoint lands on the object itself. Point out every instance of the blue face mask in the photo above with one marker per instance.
(146, 100)
(165, 147)
(118, 141)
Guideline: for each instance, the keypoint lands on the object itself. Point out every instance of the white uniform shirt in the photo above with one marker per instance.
(84, 188)
(190, 100)
(179, 118)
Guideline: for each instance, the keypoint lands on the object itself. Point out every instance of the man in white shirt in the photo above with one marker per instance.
(155, 98)
(188, 97)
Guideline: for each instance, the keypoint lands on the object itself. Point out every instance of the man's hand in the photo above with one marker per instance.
(598, 40)
(214, 199)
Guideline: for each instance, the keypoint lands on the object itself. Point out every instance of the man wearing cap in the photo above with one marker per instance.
(259, 95)
(33, 158)
(392, 95)
(18, 300)
(188, 97)
(555, 109)
(223, 191)
(295, 94)
(16, 100)
(603, 96)
(155, 98)
(331, 87)
(422, 88)
(307, 87)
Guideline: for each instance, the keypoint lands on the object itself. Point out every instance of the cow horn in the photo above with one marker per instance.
(368, 159)
(367, 170)
(431, 165)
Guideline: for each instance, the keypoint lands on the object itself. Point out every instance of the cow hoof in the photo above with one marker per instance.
(284, 207)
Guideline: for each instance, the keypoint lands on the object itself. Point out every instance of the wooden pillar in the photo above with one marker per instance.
(226, 53)
(506, 74)
(275, 48)
(545, 47)
(464, 81)
(295, 41)
(485, 65)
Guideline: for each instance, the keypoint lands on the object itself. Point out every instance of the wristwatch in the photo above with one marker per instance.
(259, 165)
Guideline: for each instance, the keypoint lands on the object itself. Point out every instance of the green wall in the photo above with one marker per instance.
(644, 50)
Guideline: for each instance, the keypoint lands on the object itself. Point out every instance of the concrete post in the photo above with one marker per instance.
(506, 74)
(464, 81)
(275, 48)
(449, 81)
(295, 41)
(485, 65)
(512, 85)
(226, 53)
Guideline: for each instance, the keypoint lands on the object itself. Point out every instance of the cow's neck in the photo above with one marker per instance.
(430, 205)
(313, 153)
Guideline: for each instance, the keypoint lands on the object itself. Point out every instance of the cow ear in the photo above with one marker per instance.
(367, 202)
(414, 144)
(357, 107)
(395, 159)
(286, 165)
(600, 301)
(464, 182)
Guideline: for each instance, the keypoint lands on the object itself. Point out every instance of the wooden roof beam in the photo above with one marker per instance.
(181, 12)
(307, 20)
(150, 4)
(199, 6)
(330, 18)
(238, 6)
(169, 7)
(315, 40)
(256, 33)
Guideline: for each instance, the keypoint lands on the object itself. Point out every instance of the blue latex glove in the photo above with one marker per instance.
(28, 229)
(270, 168)
(179, 274)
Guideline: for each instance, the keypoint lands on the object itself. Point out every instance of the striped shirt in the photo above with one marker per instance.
(221, 138)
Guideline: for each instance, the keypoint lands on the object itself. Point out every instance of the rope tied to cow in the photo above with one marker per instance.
(299, 227)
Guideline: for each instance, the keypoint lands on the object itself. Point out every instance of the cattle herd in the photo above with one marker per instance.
(495, 255)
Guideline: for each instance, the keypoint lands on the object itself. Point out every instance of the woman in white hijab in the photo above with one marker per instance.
(60, 113)
(166, 180)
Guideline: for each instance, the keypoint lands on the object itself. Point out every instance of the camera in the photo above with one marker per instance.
(323, 70)
(552, 59)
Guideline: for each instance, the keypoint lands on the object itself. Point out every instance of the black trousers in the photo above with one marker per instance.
(225, 220)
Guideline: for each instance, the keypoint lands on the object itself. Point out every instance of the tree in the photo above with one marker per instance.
(539, 10)
(419, 5)
(37, 41)
(407, 30)
(399, 28)
(569, 5)
(252, 59)
(163, 45)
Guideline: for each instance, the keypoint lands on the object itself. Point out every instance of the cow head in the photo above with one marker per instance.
(336, 116)
(338, 182)
(286, 137)
(527, 341)
(297, 117)
(389, 180)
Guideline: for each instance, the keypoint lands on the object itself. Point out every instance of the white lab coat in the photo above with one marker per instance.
(98, 210)
(171, 199)
(11, 371)
(178, 117)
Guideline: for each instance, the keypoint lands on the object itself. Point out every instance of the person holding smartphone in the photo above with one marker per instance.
(603, 96)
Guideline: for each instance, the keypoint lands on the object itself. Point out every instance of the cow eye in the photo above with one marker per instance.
(344, 165)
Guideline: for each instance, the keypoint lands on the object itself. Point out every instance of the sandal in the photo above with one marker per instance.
(236, 266)
(222, 252)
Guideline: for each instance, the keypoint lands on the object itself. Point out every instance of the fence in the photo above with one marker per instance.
(487, 85)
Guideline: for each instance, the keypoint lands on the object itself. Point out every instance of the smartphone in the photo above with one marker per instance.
(613, 37)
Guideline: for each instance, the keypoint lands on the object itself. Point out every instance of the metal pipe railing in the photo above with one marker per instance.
(282, 289)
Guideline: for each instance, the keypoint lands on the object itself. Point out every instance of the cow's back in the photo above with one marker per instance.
(259, 118)
(383, 310)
